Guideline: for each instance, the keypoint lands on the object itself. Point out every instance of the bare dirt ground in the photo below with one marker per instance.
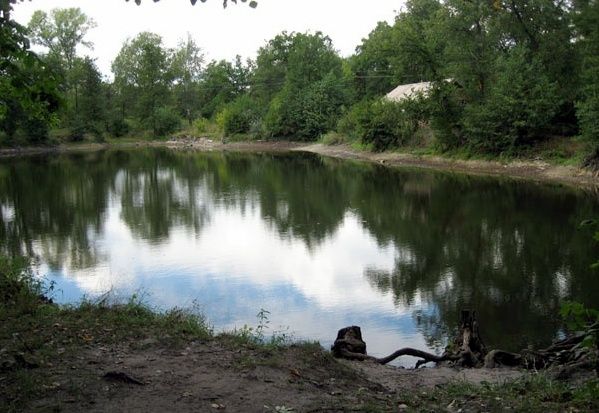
(214, 376)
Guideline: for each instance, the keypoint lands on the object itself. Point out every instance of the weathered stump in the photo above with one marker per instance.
(349, 340)
(469, 343)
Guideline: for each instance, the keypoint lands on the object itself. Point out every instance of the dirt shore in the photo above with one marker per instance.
(532, 170)
(214, 375)
(529, 170)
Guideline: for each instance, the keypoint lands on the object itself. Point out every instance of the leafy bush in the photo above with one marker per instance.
(165, 120)
(276, 121)
(306, 113)
(384, 124)
(118, 127)
(357, 115)
(36, 129)
(239, 115)
(588, 106)
(200, 125)
(333, 138)
(518, 108)
(77, 130)
(446, 109)
(20, 291)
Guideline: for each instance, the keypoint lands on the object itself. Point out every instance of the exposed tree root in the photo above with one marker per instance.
(468, 350)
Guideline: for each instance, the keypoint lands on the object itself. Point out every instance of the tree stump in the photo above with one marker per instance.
(469, 343)
(349, 340)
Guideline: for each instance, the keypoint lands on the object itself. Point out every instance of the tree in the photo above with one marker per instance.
(28, 88)
(186, 67)
(518, 108)
(409, 51)
(299, 80)
(142, 76)
(6, 5)
(375, 63)
(61, 32)
(220, 86)
(587, 15)
(92, 105)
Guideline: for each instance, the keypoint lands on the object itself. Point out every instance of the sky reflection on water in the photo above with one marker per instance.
(319, 243)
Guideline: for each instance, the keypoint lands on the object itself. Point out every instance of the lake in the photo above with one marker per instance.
(320, 243)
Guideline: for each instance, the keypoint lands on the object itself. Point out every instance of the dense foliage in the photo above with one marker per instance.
(505, 75)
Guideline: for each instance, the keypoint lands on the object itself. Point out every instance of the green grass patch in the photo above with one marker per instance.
(334, 138)
(535, 393)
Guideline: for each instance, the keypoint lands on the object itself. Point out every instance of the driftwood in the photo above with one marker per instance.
(563, 358)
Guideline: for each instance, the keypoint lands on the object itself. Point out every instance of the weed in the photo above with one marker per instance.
(334, 138)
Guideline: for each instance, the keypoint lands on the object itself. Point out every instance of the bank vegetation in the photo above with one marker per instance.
(515, 79)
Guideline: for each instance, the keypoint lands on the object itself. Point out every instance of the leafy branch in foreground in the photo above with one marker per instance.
(6, 5)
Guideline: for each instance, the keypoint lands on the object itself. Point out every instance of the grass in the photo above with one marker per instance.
(35, 333)
(563, 151)
(334, 138)
(535, 393)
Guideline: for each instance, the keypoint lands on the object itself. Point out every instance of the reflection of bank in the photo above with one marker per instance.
(334, 232)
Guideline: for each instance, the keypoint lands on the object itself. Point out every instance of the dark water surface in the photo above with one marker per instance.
(320, 243)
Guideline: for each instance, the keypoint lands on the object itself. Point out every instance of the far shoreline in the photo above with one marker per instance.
(528, 170)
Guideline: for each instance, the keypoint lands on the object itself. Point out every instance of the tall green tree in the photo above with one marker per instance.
(374, 65)
(411, 50)
(29, 94)
(587, 16)
(299, 79)
(186, 66)
(61, 32)
(93, 110)
(143, 77)
(222, 82)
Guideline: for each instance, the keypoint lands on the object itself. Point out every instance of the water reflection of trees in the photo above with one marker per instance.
(56, 202)
(459, 241)
(483, 244)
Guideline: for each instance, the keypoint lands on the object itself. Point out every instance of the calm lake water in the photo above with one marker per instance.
(320, 243)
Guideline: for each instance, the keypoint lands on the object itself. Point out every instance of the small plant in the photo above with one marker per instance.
(333, 138)
(580, 318)
(263, 323)
(200, 125)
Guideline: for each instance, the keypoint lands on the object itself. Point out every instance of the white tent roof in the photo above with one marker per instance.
(402, 92)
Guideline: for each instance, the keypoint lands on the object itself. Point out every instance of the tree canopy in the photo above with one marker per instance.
(503, 76)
